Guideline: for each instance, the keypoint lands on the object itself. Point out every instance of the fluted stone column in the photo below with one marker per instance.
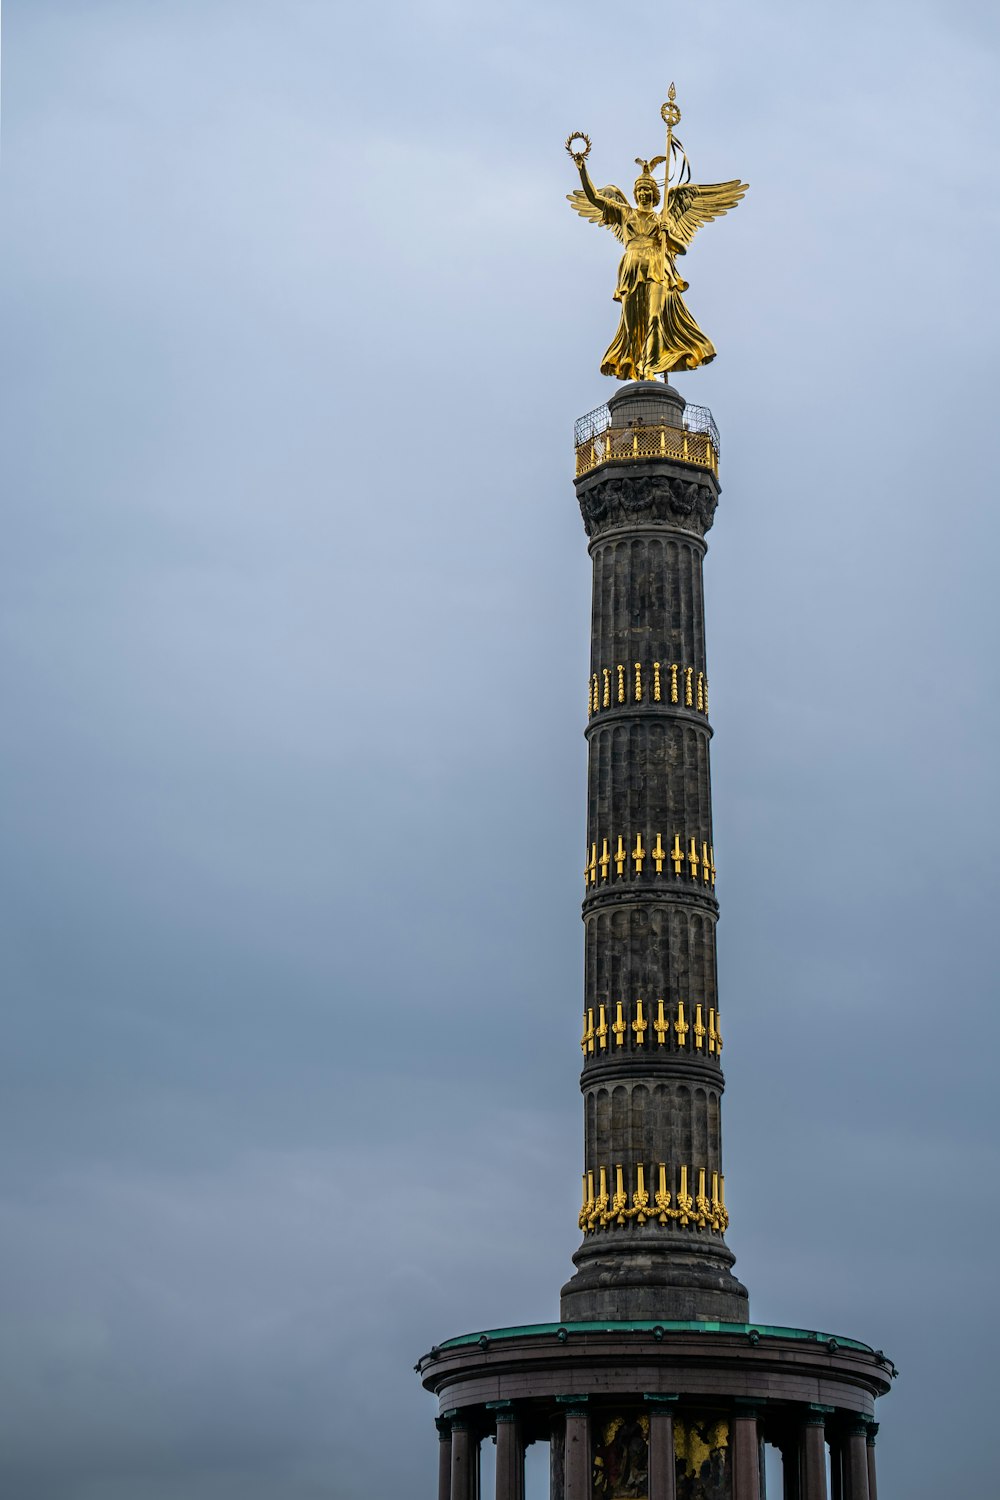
(814, 1455)
(652, 1076)
(746, 1455)
(444, 1458)
(578, 1478)
(856, 1461)
(510, 1456)
(463, 1457)
(872, 1487)
(662, 1469)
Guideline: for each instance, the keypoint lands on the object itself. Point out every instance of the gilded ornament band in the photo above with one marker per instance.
(669, 1205)
(664, 682)
(644, 1028)
(640, 444)
(619, 859)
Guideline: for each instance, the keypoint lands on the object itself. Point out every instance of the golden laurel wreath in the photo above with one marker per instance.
(578, 135)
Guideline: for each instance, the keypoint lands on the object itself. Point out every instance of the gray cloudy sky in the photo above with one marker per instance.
(294, 633)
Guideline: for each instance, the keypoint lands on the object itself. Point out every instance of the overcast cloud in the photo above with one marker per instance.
(294, 634)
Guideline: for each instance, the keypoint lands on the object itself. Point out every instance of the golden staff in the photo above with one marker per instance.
(671, 116)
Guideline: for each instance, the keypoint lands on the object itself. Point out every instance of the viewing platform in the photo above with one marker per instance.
(602, 438)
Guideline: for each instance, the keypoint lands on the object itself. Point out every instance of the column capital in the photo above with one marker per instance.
(654, 1398)
(503, 1411)
(856, 1426)
(443, 1426)
(872, 1430)
(817, 1414)
(572, 1400)
(619, 500)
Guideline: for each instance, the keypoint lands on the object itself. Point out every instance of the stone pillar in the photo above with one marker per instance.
(578, 1483)
(746, 1454)
(662, 1470)
(856, 1461)
(510, 1454)
(872, 1488)
(463, 1460)
(814, 1454)
(557, 1459)
(649, 918)
(444, 1458)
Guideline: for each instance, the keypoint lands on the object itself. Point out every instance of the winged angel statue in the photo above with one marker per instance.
(656, 333)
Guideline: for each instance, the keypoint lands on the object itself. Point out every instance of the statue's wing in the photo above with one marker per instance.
(616, 201)
(697, 203)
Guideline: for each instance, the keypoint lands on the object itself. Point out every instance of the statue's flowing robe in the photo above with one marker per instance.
(656, 333)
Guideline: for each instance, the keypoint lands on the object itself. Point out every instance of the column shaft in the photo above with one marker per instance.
(856, 1465)
(872, 1487)
(746, 1459)
(814, 1462)
(462, 1464)
(510, 1459)
(578, 1481)
(651, 1021)
(662, 1472)
(444, 1464)
(557, 1455)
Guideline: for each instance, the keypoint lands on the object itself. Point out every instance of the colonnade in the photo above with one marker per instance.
(803, 1436)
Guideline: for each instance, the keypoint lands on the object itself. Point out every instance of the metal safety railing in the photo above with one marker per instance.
(597, 442)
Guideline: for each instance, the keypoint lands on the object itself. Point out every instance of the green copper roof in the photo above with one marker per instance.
(765, 1330)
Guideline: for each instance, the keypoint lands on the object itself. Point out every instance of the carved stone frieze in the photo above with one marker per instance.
(622, 500)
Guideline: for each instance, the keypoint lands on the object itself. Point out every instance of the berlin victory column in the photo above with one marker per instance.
(655, 1384)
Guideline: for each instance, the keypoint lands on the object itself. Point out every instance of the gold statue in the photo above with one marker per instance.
(656, 333)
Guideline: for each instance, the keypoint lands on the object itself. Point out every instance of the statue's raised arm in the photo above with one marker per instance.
(656, 333)
(605, 207)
